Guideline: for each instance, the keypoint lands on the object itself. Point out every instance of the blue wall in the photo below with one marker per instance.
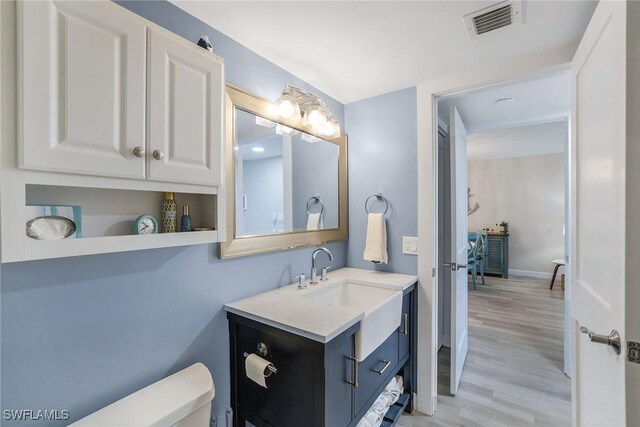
(382, 158)
(80, 333)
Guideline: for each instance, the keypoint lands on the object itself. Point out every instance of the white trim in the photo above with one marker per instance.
(443, 125)
(535, 274)
(446, 341)
(568, 267)
(528, 67)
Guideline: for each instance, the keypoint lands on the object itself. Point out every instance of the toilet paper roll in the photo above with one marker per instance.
(257, 369)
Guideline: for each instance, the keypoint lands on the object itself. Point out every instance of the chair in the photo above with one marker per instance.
(472, 265)
(559, 263)
(481, 252)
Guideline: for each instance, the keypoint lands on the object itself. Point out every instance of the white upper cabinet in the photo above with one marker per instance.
(83, 89)
(186, 92)
(106, 93)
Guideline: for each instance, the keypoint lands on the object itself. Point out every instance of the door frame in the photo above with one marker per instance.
(522, 69)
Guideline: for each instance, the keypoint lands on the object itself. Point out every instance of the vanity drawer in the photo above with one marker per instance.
(368, 379)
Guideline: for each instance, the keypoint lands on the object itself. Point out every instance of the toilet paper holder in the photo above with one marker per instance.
(269, 367)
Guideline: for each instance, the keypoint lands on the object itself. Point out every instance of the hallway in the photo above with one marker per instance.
(513, 374)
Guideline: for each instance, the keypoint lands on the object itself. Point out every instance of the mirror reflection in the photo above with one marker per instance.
(286, 181)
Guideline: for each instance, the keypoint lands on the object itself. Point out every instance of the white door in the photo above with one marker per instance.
(599, 139)
(459, 248)
(186, 85)
(82, 84)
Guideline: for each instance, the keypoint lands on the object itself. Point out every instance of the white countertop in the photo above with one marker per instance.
(285, 308)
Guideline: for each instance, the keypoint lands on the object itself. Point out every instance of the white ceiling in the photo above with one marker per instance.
(521, 141)
(353, 50)
(535, 101)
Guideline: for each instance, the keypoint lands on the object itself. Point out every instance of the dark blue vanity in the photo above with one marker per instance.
(319, 384)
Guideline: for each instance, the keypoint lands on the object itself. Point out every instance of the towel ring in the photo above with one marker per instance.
(315, 199)
(381, 198)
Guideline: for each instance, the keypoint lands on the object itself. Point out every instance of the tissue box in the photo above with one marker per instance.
(74, 213)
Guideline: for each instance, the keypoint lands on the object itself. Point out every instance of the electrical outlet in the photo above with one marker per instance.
(409, 245)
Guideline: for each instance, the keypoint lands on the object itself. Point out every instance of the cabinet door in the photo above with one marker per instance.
(338, 392)
(404, 332)
(186, 93)
(82, 88)
(293, 396)
(494, 255)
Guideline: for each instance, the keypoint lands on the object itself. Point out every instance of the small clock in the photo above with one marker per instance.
(145, 224)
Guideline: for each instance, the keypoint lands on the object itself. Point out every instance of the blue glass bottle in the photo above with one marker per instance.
(185, 221)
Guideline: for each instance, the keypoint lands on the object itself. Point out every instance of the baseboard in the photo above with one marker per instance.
(527, 273)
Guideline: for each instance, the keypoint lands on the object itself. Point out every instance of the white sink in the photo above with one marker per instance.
(382, 311)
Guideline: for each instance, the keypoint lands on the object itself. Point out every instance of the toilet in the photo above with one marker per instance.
(180, 400)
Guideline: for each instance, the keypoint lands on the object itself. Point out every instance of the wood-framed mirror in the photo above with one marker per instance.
(286, 186)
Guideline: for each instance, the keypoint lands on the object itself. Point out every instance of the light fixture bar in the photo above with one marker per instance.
(315, 113)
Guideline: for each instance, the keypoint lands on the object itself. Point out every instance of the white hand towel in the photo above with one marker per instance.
(314, 221)
(376, 246)
(364, 422)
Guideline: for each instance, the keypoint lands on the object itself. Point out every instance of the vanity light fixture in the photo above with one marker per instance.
(287, 104)
(314, 115)
(296, 103)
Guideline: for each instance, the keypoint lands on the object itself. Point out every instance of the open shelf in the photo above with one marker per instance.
(109, 212)
(107, 221)
(43, 249)
(395, 411)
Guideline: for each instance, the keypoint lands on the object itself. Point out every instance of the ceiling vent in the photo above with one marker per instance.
(491, 18)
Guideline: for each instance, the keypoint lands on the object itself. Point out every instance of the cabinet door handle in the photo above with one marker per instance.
(158, 155)
(384, 368)
(354, 383)
(138, 152)
(405, 327)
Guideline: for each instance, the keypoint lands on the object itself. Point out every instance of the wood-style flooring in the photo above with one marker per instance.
(513, 374)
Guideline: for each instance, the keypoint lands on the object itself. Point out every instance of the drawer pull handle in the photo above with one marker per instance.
(354, 383)
(386, 365)
(405, 327)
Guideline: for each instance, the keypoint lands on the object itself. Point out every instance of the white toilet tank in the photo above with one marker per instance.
(183, 399)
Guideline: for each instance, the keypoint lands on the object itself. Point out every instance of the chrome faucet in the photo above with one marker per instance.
(314, 271)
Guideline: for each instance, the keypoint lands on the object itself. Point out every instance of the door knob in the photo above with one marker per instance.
(613, 339)
(158, 155)
(138, 152)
